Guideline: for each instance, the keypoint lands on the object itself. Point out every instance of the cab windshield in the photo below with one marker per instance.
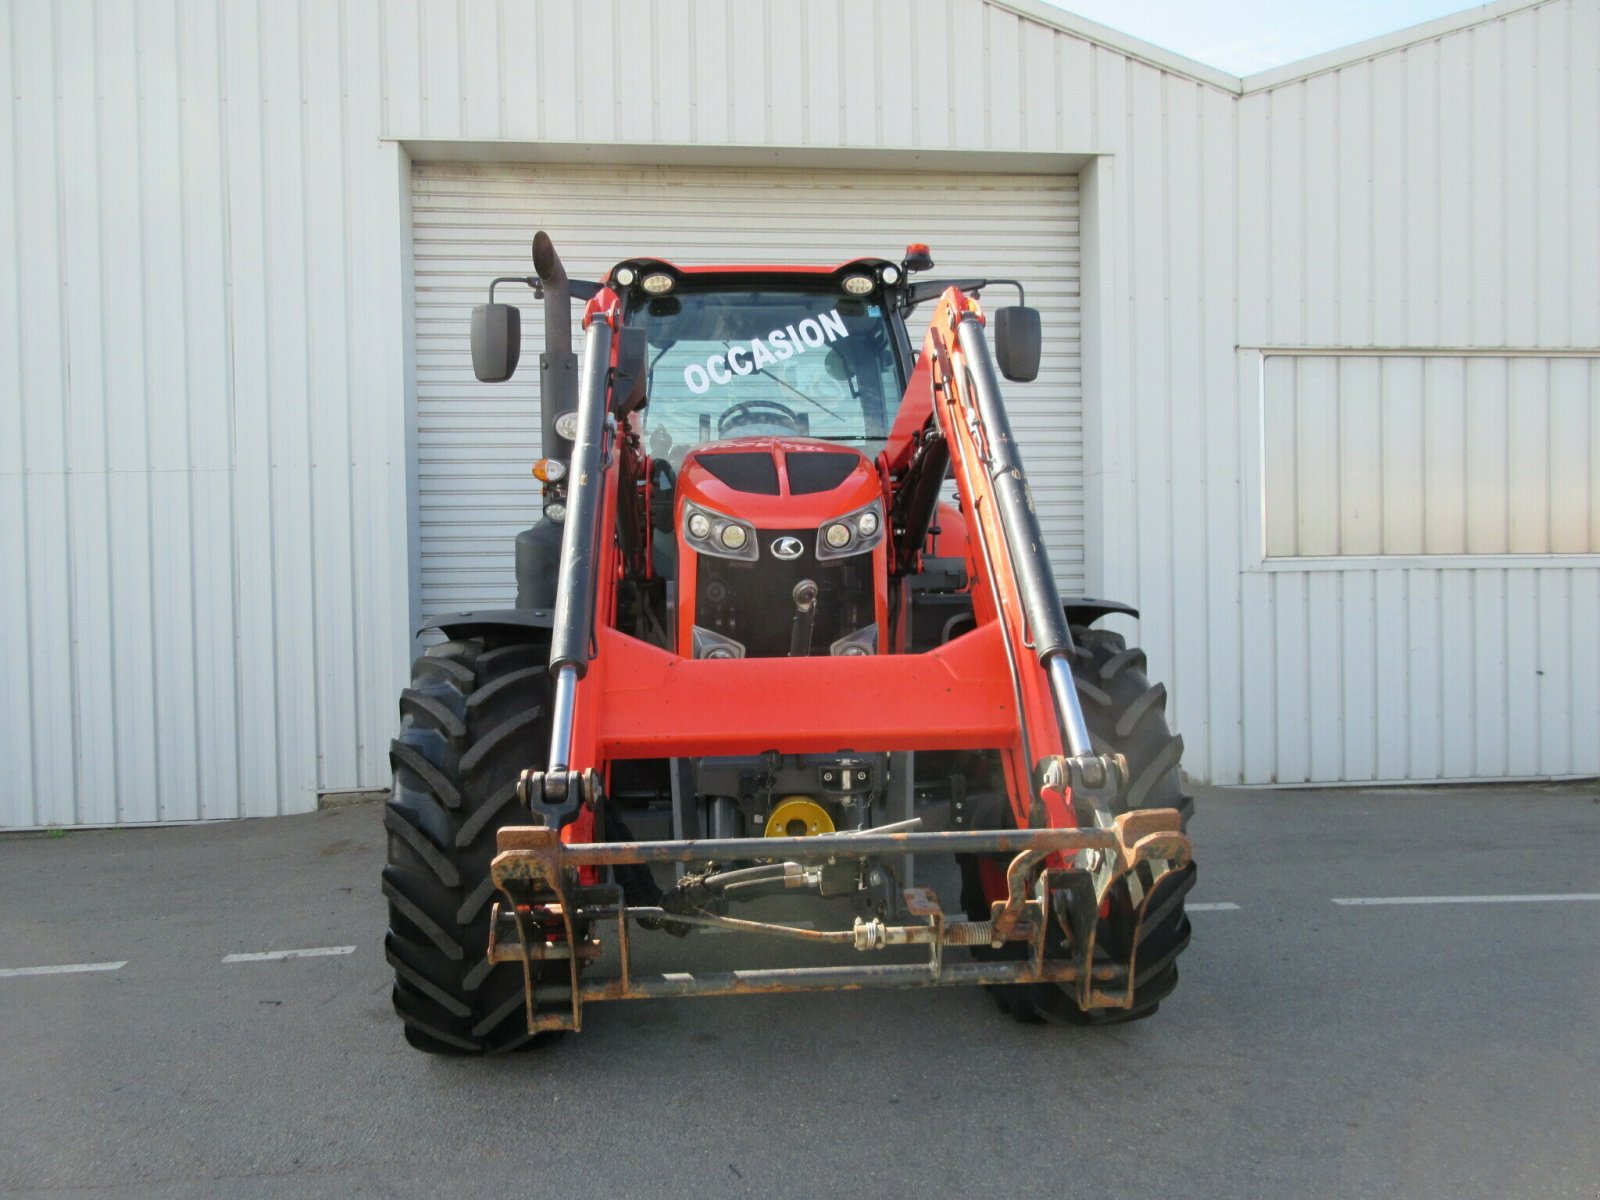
(739, 363)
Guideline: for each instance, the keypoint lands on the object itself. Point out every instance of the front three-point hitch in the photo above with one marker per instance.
(549, 915)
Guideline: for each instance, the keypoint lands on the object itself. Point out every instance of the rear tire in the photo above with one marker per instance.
(1126, 714)
(476, 715)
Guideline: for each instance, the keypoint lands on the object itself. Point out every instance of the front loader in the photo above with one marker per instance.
(750, 617)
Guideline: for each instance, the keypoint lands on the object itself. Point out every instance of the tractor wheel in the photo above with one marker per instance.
(1126, 714)
(476, 714)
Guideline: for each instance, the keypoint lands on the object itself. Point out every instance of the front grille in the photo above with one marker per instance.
(753, 602)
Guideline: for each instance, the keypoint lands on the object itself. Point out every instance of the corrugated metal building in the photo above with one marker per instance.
(1322, 394)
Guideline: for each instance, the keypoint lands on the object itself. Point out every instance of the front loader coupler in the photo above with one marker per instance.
(1051, 913)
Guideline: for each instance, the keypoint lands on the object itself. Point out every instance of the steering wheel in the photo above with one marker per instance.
(761, 412)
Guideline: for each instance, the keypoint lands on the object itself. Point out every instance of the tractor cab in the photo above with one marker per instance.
(765, 352)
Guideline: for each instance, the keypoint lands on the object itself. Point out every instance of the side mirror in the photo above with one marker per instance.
(496, 341)
(1017, 342)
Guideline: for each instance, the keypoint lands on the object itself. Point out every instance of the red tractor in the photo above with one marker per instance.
(749, 616)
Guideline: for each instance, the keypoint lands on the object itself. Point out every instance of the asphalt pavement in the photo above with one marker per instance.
(1444, 1048)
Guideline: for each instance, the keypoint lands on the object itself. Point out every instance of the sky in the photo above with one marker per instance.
(1245, 36)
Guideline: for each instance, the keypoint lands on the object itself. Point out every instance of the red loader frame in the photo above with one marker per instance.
(1005, 685)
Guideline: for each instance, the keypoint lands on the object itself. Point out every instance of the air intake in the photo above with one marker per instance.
(745, 471)
(819, 471)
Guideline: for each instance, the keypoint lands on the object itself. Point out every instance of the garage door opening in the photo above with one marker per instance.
(475, 442)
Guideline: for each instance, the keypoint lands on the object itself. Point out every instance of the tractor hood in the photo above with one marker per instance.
(778, 482)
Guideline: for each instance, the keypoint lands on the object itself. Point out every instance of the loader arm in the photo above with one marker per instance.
(1021, 701)
(1005, 685)
(1012, 583)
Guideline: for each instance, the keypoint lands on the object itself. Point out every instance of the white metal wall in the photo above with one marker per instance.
(205, 339)
(475, 441)
(202, 461)
(1441, 196)
(205, 335)
(780, 75)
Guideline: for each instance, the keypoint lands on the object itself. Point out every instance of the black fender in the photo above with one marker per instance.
(538, 564)
(938, 616)
(1086, 610)
(514, 621)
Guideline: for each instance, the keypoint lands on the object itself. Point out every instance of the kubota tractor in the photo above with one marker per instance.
(748, 617)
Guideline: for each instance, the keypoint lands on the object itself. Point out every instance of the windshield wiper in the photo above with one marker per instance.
(784, 383)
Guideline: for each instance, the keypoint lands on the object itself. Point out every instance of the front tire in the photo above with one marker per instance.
(1126, 714)
(476, 715)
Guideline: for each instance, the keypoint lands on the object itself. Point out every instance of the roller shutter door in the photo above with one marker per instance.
(471, 222)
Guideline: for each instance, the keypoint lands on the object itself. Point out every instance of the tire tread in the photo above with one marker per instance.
(475, 715)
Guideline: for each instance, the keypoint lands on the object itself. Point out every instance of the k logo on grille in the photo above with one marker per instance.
(787, 547)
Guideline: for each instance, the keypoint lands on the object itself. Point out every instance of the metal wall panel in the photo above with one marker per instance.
(1444, 197)
(476, 441)
(1403, 199)
(202, 480)
(903, 74)
(1430, 454)
(1425, 673)
(205, 343)
(1162, 450)
(205, 371)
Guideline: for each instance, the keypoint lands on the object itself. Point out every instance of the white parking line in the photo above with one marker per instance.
(1215, 906)
(275, 955)
(68, 969)
(1552, 898)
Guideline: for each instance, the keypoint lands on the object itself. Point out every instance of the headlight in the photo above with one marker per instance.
(853, 533)
(657, 285)
(710, 532)
(858, 285)
(624, 276)
(567, 425)
(556, 511)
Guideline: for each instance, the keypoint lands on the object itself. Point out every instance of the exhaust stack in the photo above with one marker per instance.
(558, 365)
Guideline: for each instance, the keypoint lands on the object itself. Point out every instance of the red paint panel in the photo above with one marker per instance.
(642, 702)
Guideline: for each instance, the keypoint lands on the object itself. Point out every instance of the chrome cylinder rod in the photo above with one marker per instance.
(561, 711)
(1073, 727)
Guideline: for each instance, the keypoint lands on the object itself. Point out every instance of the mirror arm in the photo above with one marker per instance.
(581, 289)
(1016, 283)
(529, 280)
(931, 289)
